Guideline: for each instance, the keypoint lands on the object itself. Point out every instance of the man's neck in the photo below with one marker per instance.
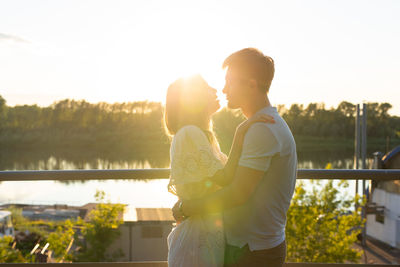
(253, 106)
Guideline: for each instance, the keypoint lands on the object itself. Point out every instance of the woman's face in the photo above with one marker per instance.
(213, 102)
(200, 97)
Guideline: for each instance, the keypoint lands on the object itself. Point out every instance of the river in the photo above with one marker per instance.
(139, 193)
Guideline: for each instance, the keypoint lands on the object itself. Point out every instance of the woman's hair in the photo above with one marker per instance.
(187, 104)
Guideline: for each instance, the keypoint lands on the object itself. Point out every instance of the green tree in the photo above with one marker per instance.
(9, 254)
(225, 122)
(101, 231)
(346, 108)
(320, 226)
(3, 111)
(114, 130)
(18, 220)
(60, 240)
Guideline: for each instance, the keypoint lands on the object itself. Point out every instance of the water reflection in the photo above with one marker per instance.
(77, 159)
(141, 193)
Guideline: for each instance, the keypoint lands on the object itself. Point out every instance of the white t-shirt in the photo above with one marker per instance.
(260, 222)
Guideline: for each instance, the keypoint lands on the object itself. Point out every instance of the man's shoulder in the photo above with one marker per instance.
(260, 137)
(264, 129)
(267, 134)
(260, 130)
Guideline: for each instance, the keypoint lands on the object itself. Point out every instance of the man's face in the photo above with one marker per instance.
(234, 89)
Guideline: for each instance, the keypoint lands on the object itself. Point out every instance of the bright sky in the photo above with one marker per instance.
(116, 51)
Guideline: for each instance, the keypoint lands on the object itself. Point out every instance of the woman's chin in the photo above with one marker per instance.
(217, 107)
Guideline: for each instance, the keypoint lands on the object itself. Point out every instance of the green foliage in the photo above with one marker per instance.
(320, 226)
(18, 250)
(94, 236)
(138, 126)
(18, 220)
(101, 126)
(8, 254)
(225, 123)
(38, 231)
(316, 120)
(40, 228)
(101, 231)
(60, 240)
(3, 111)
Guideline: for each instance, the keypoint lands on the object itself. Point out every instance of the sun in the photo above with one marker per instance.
(176, 61)
(178, 43)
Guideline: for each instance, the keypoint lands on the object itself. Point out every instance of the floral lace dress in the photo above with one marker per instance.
(198, 240)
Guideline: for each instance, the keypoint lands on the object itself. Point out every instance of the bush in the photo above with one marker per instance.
(8, 254)
(101, 231)
(321, 227)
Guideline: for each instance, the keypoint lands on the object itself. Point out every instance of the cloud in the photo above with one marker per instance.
(11, 38)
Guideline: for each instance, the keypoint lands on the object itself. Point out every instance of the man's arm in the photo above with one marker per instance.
(235, 194)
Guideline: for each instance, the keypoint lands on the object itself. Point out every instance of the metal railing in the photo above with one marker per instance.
(144, 174)
(165, 264)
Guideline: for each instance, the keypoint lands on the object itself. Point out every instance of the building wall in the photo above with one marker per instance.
(389, 230)
(148, 241)
(147, 248)
(122, 243)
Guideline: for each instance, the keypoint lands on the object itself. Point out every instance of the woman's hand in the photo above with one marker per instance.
(242, 128)
(177, 212)
(227, 174)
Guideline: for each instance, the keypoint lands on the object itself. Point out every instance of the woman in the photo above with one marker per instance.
(197, 163)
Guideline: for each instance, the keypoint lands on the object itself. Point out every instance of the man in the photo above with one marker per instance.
(259, 190)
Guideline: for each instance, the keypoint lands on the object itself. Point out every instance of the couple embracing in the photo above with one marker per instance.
(231, 210)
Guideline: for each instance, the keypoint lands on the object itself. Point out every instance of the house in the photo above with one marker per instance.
(144, 231)
(6, 227)
(383, 213)
(144, 234)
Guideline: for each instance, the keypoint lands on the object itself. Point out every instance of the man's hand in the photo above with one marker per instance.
(242, 128)
(177, 212)
(245, 125)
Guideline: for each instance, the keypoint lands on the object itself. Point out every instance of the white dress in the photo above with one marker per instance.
(198, 240)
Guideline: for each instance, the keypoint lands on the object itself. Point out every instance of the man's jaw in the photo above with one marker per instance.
(231, 105)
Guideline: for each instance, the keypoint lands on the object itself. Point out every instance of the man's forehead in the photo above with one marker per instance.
(230, 73)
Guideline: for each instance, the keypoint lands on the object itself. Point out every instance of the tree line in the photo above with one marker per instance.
(316, 120)
(139, 125)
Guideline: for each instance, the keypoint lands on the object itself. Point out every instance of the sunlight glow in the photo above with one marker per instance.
(132, 51)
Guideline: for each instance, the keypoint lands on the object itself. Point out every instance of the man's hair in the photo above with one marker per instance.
(253, 64)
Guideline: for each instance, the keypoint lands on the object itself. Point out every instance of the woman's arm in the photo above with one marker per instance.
(225, 176)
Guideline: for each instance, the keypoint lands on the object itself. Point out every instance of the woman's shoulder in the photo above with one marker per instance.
(190, 136)
(190, 131)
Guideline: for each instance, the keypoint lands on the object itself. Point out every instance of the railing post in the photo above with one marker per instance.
(364, 166)
(357, 143)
